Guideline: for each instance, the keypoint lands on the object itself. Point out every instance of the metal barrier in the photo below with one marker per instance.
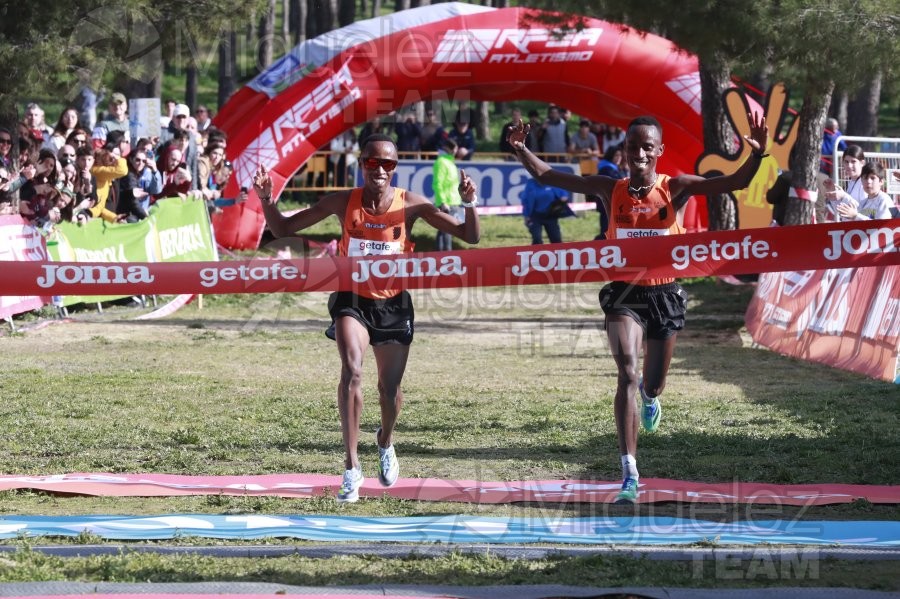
(327, 171)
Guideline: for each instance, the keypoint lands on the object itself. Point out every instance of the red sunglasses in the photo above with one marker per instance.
(373, 163)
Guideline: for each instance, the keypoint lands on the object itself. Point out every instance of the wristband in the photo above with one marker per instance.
(471, 204)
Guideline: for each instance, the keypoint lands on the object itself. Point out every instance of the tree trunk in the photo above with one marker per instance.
(190, 86)
(376, 8)
(718, 136)
(286, 23)
(838, 108)
(298, 20)
(248, 30)
(312, 21)
(862, 111)
(401, 5)
(346, 12)
(227, 65)
(321, 17)
(484, 122)
(10, 117)
(266, 36)
(807, 152)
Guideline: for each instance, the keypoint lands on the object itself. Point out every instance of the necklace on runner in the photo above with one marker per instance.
(640, 190)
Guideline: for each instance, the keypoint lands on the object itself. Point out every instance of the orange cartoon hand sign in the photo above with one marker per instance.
(752, 198)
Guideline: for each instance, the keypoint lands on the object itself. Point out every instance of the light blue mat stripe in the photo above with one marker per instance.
(460, 529)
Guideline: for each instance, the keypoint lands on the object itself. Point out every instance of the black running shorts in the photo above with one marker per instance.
(659, 309)
(388, 321)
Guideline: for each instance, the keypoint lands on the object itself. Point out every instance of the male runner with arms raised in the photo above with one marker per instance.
(646, 204)
(376, 220)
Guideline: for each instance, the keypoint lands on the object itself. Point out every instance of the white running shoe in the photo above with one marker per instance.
(388, 465)
(349, 491)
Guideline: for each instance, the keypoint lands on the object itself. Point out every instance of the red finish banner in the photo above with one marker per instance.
(847, 318)
(816, 247)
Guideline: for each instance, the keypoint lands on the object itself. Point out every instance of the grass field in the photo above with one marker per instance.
(502, 384)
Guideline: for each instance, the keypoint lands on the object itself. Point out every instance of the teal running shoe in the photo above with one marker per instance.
(650, 412)
(629, 493)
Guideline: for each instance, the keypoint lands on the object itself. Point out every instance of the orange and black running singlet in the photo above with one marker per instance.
(366, 234)
(650, 216)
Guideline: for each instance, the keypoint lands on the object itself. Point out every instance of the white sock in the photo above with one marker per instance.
(629, 466)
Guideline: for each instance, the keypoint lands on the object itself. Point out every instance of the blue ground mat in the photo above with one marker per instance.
(461, 529)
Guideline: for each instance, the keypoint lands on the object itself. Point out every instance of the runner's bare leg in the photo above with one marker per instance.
(625, 337)
(352, 340)
(391, 361)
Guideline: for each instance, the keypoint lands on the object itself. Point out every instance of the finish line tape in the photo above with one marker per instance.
(712, 253)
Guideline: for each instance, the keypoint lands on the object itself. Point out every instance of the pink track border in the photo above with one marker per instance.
(653, 490)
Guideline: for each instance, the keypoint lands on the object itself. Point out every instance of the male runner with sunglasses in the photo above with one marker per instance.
(376, 219)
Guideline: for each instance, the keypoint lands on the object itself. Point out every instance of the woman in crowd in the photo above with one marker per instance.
(68, 174)
(852, 163)
(39, 195)
(85, 183)
(107, 168)
(78, 137)
(138, 187)
(66, 124)
(7, 157)
(28, 151)
(214, 172)
(609, 164)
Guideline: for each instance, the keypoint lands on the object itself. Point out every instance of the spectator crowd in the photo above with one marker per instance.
(85, 167)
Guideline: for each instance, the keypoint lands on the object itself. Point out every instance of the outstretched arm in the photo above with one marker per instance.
(757, 140)
(278, 223)
(469, 231)
(540, 170)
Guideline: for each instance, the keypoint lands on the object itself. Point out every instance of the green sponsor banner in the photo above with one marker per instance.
(176, 231)
(182, 231)
(99, 241)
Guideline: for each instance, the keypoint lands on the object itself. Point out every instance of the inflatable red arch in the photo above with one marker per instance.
(324, 86)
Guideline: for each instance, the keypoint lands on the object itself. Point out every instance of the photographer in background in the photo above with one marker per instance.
(409, 133)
